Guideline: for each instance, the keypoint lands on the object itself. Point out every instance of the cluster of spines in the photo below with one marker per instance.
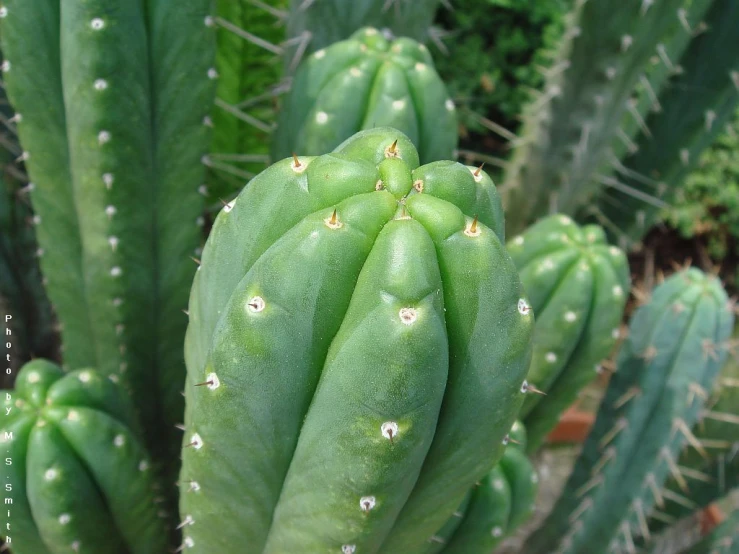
(112, 111)
(694, 107)
(570, 128)
(652, 402)
(380, 162)
(250, 37)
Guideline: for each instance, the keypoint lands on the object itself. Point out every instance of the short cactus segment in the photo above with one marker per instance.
(651, 403)
(724, 539)
(343, 310)
(316, 24)
(364, 82)
(81, 480)
(500, 503)
(578, 286)
(113, 98)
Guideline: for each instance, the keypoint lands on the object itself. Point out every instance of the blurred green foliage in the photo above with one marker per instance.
(708, 207)
(497, 50)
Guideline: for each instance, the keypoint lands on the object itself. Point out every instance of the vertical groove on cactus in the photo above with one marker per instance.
(651, 403)
(568, 129)
(370, 258)
(695, 106)
(113, 99)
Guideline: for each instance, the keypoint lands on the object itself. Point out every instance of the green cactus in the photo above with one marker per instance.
(695, 107)
(500, 503)
(343, 391)
(80, 480)
(675, 347)
(111, 100)
(316, 24)
(365, 82)
(578, 286)
(249, 71)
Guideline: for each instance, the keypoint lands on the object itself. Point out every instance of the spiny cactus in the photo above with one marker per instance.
(364, 82)
(578, 287)
(694, 108)
(676, 345)
(569, 129)
(80, 480)
(111, 99)
(709, 467)
(250, 36)
(316, 24)
(356, 353)
(499, 503)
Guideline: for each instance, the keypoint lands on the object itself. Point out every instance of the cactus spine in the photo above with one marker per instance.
(695, 107)
(343, 304)
(364, 82)
(653, 400)
(578, 287)
(80, 478)
(111, 99)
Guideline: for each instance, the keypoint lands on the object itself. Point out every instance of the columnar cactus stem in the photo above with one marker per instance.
(676, 345)
(569, 128)
(112, 98)
(338, 335)
(80, 479)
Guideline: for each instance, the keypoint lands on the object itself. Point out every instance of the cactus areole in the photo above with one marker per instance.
(356, 354)
(365, 82)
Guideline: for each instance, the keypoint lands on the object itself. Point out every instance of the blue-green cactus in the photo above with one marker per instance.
(675, 348)
(344, 393)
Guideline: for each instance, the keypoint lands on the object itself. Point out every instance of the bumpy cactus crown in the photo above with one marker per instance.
(81, 480)
(364, 82)
(338, 353)
(578, 286)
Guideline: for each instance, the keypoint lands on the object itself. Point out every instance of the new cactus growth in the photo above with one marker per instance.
(111, 99)
(578, 286)
(343, 391)
(365, 82)
(675, 348)
(80, 479)
(499, 503)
